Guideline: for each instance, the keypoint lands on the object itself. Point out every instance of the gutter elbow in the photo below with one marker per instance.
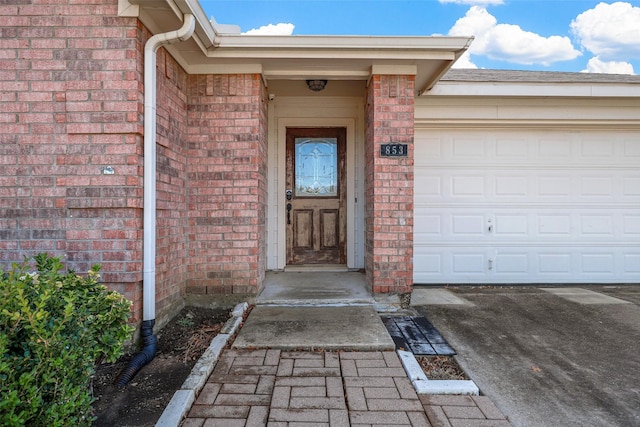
(182, 34)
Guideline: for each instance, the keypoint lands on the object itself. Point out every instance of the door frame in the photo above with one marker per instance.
(336, 253)
(282, 125)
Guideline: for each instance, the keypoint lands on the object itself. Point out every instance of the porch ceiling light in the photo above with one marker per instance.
(316, 85)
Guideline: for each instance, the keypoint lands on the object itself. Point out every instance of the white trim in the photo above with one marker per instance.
(423, 385)
(554, 90)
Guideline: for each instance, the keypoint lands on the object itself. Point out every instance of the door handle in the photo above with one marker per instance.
(289, 213)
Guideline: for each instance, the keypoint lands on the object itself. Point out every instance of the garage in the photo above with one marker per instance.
(526, 206)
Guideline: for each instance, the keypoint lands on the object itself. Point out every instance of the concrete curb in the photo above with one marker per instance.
(184, 398)
(423, 385)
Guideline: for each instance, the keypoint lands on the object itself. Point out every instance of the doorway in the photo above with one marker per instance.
(316, 196)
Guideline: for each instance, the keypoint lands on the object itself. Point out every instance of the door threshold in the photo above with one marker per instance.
(333, 268)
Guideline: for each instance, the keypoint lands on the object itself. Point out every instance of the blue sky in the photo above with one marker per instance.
(560, 35)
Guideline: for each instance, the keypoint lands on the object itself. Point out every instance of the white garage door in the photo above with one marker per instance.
(526, 207)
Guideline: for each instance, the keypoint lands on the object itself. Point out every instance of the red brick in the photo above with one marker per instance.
(239, 163)
(389, 211)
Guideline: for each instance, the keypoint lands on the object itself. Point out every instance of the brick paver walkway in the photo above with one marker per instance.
(279, 388)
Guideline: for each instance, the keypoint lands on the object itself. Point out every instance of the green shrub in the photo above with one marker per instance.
(55, 327)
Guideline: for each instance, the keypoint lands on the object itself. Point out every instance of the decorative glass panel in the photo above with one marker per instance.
(316, 167)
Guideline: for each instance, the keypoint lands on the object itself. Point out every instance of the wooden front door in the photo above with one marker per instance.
(315, 196)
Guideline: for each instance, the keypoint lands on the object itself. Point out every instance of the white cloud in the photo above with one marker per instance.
(474, 2)
(506, 42)
(464, 62)
(281, 29)
(595, 65)
(610, 31)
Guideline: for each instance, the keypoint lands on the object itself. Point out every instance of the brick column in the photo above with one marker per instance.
(227, 166)
(389, 185)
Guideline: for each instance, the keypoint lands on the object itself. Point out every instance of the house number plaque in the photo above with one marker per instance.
(393, 150)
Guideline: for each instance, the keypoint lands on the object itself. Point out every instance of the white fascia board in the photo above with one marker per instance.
(224, 52)
(435, 43)
(555, 90)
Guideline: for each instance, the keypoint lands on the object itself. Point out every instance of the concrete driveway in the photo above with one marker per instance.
(546, 357)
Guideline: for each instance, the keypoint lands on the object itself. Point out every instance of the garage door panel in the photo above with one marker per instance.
(631, 225)
(512, 264)
(594, 225)
(631, 187)
(631, 148)
(565, 211)
(554, 149)
(465, 186)
(553, 186)
(553, 226)
(631, 263)
(509, 185)
(509, 226)
(594, 186)
(597, 263)
(429, 227)
(527, 185)
(553, 262)
(468, 262)
(468, 147)
(596, 148)
(467, 226)
(527, 224)
(512, 148)
(535, 264)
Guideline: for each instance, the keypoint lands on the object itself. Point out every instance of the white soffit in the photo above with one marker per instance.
(295, 57)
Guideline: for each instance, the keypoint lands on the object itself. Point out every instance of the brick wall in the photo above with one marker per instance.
(227, 139)
(71, 106)
(389, 185)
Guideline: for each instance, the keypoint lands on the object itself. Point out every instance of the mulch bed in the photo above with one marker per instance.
(441, 368)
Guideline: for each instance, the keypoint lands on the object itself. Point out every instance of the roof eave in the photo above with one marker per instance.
(293, 57)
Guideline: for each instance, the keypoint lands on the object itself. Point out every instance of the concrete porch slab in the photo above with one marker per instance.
(314, 288)
(314, 328)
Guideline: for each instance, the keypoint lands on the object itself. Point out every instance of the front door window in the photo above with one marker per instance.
(316, 167)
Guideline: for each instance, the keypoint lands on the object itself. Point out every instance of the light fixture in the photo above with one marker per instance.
(316, 85)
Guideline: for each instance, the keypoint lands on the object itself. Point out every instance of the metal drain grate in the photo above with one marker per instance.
(418, 335)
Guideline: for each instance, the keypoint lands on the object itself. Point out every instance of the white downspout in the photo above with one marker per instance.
(149, 215)
(149, 340)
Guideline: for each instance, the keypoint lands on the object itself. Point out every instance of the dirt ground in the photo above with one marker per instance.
(140, 403)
